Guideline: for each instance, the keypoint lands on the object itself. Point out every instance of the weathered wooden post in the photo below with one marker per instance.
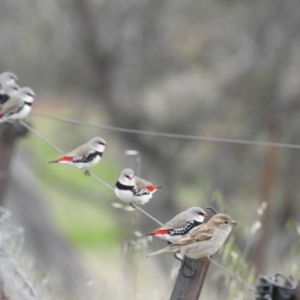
(190, 288)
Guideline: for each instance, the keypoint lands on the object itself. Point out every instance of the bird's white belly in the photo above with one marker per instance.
(128, 197)
(169, 237)
(20, 115)
(173, 238)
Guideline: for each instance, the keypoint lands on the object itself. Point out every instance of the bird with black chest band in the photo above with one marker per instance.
(203, 240)
(132, 189)
(84, 156)
(18, 106)
(180, 225)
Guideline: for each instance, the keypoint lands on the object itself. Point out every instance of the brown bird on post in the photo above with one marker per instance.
(204, 240)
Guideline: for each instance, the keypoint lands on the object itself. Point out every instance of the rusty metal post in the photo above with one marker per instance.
(190, 288)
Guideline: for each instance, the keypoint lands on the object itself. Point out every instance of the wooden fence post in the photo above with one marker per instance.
(8, 135)
(190, 288)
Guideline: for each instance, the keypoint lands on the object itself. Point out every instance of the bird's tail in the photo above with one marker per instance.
(52, 161)
(164, 250)
(153, 188)
(148, 234)
(158, 232)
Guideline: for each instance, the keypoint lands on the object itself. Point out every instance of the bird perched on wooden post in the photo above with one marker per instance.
(132, 189)
(7, 78)
(181, 224)
(85, 156)
(203, 240)
(18, 106)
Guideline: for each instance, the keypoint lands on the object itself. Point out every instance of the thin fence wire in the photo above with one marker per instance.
(41, 137)
(169, 135)
(145, 213)
(237, 278)
(102, 181)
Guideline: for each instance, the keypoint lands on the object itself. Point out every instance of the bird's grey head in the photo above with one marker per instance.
(8, 78)
(127, 177)
(26, 94)
(97, 143)
(11, 90)
(197, 213)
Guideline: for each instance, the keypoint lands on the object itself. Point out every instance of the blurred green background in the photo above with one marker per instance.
(222, 69)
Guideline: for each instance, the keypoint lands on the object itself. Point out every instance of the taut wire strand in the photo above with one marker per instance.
(170, 135)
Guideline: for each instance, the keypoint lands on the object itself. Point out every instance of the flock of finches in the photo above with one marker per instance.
(185, 233)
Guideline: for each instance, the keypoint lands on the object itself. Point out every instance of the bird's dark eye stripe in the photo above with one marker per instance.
(226, 222)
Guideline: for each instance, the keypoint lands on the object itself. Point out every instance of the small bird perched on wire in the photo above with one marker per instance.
(85, 156)
(7, 78)
(18, 106)
(203, 240)
(181, 224)
(132, 189)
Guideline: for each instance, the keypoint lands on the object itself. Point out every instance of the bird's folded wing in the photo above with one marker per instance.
(10, 104)
(141, 183)
(177, 222)
(80, 151)
(199, 233)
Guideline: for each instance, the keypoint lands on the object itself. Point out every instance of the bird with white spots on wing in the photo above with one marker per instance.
(132, 189)
(181, 224)
(18, 106)
(7, 79)
(203, 240)
(84, 156)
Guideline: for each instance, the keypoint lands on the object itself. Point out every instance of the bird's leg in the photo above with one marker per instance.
(87, 173)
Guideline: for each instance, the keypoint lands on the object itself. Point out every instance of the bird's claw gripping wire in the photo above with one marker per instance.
(87, 173)
(212, 209)
(183, 264)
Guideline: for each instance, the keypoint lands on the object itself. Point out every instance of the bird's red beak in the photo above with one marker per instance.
(204, 214)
